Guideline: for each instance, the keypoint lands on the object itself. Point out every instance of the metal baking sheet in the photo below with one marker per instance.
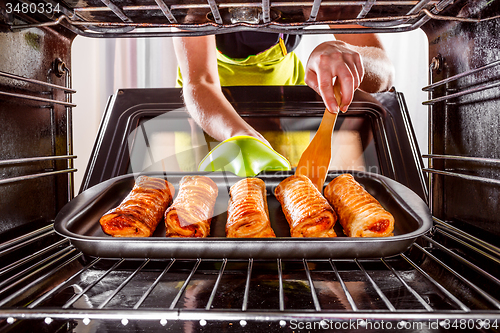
(79, 221)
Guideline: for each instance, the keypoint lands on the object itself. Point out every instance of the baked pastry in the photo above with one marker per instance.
(191, 213)
(247, 213)
(360, 214)
(141, 211)
(306, 210)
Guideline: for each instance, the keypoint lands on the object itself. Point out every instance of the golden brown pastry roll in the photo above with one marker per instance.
(140, 212)
(191, 213)
(247, 213)
(360, 214)
(306, 210)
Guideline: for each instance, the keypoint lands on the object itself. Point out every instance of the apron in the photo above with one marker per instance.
(272, 67)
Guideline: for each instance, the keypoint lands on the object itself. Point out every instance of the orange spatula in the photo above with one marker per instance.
(315, 160)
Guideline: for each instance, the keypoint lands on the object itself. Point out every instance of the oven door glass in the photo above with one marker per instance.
(173, 142)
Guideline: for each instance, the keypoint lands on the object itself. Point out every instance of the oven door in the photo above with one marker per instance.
(149, 130)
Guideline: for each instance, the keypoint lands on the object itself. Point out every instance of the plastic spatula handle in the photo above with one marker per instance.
(315, 160)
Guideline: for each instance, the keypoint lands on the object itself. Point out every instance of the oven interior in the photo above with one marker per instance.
(449, 276)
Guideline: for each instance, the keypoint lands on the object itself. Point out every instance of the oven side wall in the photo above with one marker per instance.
(468, 125)
(31, 129)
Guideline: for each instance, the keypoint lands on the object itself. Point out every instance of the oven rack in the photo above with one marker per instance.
(60, 69)
(159, 18)
(450, 90)
(456, 94)
(447, 275)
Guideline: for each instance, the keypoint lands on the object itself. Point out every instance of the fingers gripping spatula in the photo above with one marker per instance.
(315, 160)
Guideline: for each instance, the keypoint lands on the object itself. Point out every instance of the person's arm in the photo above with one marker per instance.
(379, 72)
(356, 61)
(207, 105)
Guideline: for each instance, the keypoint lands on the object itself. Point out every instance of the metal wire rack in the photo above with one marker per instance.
(169, 18)
(48, 103)
(452, 89)
(448, 275)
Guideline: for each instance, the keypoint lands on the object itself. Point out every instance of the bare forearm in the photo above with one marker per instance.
(378, 68)
(379, 72)
(207, 105)
(212, 111)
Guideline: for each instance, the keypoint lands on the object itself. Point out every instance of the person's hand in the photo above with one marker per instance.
(334, 62)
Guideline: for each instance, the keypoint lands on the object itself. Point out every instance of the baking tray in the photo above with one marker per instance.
(79, 221)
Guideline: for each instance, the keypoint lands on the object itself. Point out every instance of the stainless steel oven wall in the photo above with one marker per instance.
(464, 101)
(34, 110)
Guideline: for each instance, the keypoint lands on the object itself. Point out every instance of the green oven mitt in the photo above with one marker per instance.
(245, 156)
